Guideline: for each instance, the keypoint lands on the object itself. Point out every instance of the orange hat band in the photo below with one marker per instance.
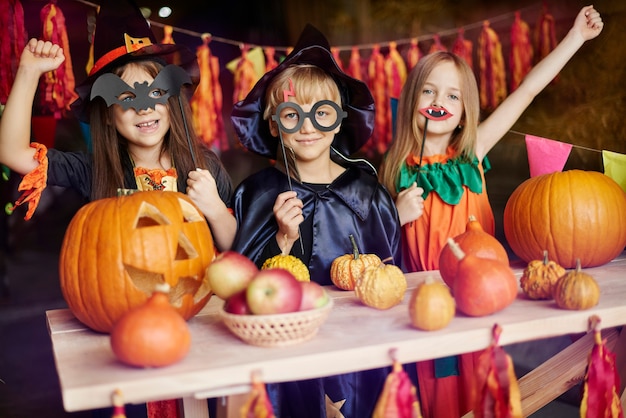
(131, 45)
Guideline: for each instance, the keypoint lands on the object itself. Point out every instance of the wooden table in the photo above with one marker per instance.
(354, 337)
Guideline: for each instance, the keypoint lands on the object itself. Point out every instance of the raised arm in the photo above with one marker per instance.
(37, 58)
(588, 25)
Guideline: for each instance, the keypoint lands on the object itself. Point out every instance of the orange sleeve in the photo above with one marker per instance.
(33, 183)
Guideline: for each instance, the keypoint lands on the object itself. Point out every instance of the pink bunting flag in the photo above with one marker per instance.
(615, 167)
(546, 155)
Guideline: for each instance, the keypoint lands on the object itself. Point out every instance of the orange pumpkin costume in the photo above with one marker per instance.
(454, 189)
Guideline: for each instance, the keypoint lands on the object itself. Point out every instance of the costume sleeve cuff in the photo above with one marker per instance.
(33, 183)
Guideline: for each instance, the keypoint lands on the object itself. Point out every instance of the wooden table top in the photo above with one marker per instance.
(355, 337)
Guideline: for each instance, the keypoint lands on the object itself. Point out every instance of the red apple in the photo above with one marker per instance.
(230, 273)
(313, 296)
(237, 304)
(273, 291)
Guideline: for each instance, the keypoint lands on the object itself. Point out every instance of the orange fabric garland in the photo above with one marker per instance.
(335, 51)
(206, 103)
(354, 68)
(437, 45)
(377, 85)
(270, 60)
(33, 183)
(413, 55)
(257, 405)
(58, 85)
(244, 77)
(463, 48)
(398, 398)
(492, 71)
(521, 55)
(13, 35)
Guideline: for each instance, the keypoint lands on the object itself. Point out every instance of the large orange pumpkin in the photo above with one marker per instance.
(571, 214)
(116, 250)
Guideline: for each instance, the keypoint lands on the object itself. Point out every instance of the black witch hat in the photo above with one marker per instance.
(123, 35)
(312, 48)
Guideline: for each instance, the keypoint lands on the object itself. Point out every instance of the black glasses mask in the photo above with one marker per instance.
(325, 116)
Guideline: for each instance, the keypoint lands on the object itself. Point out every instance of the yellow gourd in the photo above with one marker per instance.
(539, 277)
(576, 290)
(431, 306)
(290, 263)
(381, 286)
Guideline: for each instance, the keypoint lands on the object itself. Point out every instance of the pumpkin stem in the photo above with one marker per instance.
(456, 249)
(578, 265)
(355, 249)
(545, 258)
(162, 288)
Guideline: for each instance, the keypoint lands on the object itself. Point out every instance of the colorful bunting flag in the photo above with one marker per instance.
(602, 383)
(492, 72)
(615, 167)
(58, 85)
(546, 155)
(521, 55)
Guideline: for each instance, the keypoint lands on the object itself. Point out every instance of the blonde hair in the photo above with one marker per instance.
(408, 136)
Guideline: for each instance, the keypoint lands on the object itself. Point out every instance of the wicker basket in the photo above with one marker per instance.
(277, 330)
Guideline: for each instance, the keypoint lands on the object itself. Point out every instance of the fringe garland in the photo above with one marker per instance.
(521, 56)
(13, 35)
(492, 71)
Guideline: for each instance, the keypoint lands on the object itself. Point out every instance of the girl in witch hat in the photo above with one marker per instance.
(135, 102)
(309, 116)
(434, 169)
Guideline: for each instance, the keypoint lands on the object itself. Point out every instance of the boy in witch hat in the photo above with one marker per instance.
(310, 117)
(134, 101)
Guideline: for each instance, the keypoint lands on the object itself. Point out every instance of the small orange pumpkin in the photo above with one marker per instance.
(115, 251)
(576, 290)
(431, 306)
(152, 334)
(381, 286)
(346, 269)
(539, 277)
(571, 214)
(473, 241)
(482, 286)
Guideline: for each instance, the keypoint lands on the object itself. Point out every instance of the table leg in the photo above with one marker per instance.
(194, 408)
(230, 406)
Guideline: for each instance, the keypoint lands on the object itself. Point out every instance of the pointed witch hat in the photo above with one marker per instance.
(312, 48)
(123, 35)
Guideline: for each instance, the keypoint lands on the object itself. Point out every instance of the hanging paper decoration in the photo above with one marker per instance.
(167, 35)
(399, 397)
(602, 383)
(257, 404)
(378, 87)
(57, 85)
(463, 48)
(245, 76)
(615, 167)
(270, 60)
(118, 405)
(546, 155)
(354, 68)
(497, 390)
(413, 55)
(437, 45)
(492, 71)
(335, 51)
(206, 103)
(521, 55)
(395, 73)
(13, 35)
(545, 36)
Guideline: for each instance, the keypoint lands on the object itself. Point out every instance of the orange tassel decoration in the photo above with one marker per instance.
(258, 404)
(335, 51)
(437, 45)
(118, 405)
(492, 71)
(399, 397)
(58, 85)
(245, 76)
(206, 103)
(601, 385)
(13, 35)
(521, 56)
(34, 182)
(270, 60)
(545, 36)
(463, 48)
(378, 86)
(413, 55)
(163, 409)
(497, 391)
(354, 67)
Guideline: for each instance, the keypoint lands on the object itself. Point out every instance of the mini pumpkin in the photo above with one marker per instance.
(473, 241)
(115, 251)
(290, 263)
(576, 290)
(431, 306)
(381, 286)
(152, 334)
(539, 277)
(346, 269)
(482, 286)
(549, 212)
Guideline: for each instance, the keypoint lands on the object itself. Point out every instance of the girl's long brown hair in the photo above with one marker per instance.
(408, 136)
(109, 147)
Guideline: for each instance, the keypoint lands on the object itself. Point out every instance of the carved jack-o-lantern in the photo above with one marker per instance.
(116, 250)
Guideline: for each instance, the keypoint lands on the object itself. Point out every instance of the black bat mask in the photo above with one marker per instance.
(167, 83)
